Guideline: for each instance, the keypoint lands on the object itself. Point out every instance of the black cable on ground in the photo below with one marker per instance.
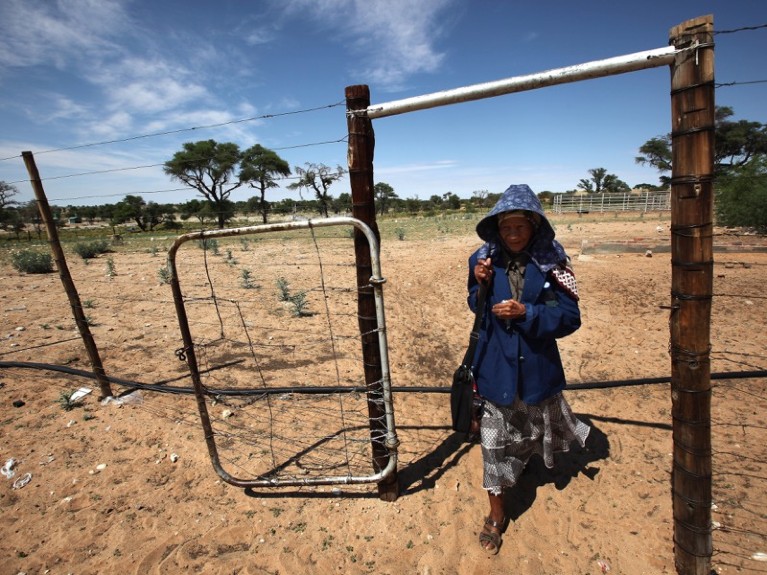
(159, 387)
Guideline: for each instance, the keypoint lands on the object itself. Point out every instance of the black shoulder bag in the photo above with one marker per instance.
(462, 391)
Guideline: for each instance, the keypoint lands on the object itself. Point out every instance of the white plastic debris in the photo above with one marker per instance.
(604, 566)
(7, 469)
(22, 481)
(759, 556)
(79, 394)
(133, 398)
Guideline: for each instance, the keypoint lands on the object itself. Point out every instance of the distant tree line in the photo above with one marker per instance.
(214, 170)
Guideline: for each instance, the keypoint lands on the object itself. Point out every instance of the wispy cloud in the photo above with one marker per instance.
(397, 37)
(57, 33)
(98, 45)
(148, 85)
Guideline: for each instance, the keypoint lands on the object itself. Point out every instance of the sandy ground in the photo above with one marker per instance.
(129, 487)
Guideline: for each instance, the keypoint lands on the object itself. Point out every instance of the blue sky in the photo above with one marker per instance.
(79, 72)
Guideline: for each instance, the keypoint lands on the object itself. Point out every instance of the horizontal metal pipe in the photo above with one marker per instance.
(609, 67)
(316, 390)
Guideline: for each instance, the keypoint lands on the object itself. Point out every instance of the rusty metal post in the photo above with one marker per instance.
(692, 201)
(66, 278)
(360, 159)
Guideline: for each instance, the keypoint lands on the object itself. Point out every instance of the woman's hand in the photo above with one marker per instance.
(509, 309)
(483, 271)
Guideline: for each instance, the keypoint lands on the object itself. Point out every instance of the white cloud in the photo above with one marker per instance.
(259, 36)
(398, 36)
(144, 84)
(58, 33)
(64, 108)
(111, 125)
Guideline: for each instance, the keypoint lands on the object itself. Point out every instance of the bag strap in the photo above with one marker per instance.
(474, 336)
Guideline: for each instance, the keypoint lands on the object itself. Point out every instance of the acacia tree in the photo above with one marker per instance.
(200, 210)
(741, 195)
(656, 152)
(735, 145)
(601, 181)
(383, 194)
(740, 167)
(7, 214)
(146, 215)
(259, 167)
(318, 178)
(209, 167)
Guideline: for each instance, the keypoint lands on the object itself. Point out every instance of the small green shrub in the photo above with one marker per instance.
(32, 262)
(299, 304)
(65, 401)
(88, 250)
(246, 279)
(400, 233)
(282, 285)
(163, 274)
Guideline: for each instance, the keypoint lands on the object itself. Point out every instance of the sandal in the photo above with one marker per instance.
(490, 540)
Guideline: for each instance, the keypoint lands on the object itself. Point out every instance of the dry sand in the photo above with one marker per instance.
(131, 488)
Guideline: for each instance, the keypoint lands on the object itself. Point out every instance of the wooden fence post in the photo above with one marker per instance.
(360, 159)
(66, 278)
(692, 137)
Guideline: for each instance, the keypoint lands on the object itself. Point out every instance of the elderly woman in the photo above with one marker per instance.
(532, 300)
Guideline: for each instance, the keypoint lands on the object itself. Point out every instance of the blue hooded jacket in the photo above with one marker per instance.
(521, 357)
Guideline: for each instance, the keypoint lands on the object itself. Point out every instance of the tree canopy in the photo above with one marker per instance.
(318, 178)
(7, 215)
(740, 163)
(735, 144)
(209, 167)
(259, 167)
(601, 181)
(384, 193)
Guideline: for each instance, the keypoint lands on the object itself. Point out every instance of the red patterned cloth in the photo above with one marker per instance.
(565, 277)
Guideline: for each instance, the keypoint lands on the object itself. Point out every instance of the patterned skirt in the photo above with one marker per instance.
(511, 435)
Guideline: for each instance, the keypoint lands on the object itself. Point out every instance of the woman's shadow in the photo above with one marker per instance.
(567, 466)
(424, 473)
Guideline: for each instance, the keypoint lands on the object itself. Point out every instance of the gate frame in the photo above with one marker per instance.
(187, 353)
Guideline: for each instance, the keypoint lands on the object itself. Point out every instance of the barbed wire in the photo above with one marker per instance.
(741, 29)
(728, 84)
(186, 160)
(182, 130)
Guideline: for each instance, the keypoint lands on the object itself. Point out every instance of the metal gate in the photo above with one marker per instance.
(298, 462)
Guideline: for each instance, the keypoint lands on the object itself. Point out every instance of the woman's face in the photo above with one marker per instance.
(515, 231)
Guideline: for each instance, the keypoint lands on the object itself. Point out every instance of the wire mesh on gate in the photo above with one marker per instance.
(291, 407)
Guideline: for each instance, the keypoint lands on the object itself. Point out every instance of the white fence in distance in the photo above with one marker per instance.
(629, 202)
